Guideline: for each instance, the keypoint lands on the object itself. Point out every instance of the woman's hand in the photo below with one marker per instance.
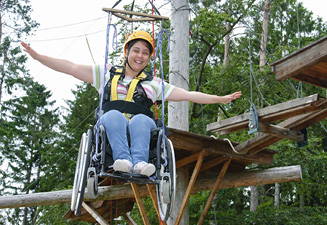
(231, 97)
(29, 50)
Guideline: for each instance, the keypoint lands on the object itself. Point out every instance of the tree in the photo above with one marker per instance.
(28, 128)
(15, 22)
(79, 116)
(243, 65)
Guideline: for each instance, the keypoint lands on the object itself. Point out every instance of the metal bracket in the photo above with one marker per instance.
(305, 142)
(253, 120)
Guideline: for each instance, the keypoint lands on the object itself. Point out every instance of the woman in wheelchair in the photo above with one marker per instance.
(128, 95)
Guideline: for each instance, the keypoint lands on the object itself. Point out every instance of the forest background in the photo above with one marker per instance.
(39, 141)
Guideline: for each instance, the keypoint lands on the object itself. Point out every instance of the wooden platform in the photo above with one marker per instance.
(140, 17)
(292, 116)
(308, 64)
(205, 157)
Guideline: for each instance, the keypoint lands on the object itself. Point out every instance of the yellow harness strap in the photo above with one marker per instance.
(131, 89)
(114, 84)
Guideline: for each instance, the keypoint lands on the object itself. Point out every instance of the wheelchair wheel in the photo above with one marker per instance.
(81, 168)
(92, 183)
(76, 177)
(166, 188)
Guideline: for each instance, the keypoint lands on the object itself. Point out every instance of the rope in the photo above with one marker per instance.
(95, 156)
(159, 49)
(231, 145)
(88, 45)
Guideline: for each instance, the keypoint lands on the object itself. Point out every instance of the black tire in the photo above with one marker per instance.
(77, 173)
(92, 187)
(166, 189)
(85, 161)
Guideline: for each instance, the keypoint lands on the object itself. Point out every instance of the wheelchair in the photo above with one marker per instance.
(96, 164)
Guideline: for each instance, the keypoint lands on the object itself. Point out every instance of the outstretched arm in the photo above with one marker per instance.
(81, 72)
(179, 94)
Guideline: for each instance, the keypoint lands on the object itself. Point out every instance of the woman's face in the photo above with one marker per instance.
(138, 56)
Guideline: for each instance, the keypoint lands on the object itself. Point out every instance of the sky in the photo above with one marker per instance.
(67, 28)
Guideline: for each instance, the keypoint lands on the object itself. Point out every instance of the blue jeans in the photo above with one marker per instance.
(139, 128)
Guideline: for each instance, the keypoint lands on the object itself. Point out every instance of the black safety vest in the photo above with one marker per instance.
(140, 104)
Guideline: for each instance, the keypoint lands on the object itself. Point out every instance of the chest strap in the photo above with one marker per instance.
(131, 88)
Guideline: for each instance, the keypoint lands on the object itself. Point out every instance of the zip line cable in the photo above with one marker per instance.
(65, 153)
(69, 25)
(64, 38)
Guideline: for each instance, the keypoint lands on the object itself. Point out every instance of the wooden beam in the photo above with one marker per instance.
(206, 182)
(271, 114)
(300, 60)
(140, 204)
(213, 162)
(129, 219)
(214, 191)
(95, 214)
(187, 160)
(118, 12)
(190, 186)
(256, 144)
(281, 132)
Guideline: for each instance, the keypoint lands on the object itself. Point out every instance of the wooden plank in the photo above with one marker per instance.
(318, 80)
(95, 214)
(214, 191)
(300, 60)
(256, 144)
(115, 11)
(133, 19)
(270, 114)
(281, 132)
(140, 204)
(189, 142)
(129, 219)
(190, 186)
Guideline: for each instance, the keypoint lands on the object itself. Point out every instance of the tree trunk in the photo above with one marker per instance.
(264, 35)
(254, 198)
(178, 115)
(0, 25)
(277, 194)
(226, 53)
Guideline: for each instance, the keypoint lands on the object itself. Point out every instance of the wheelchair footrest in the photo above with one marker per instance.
(129, 177)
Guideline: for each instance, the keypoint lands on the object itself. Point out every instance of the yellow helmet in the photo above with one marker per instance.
(139, 34)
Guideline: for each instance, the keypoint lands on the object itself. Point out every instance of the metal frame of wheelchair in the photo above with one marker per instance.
(92, 168)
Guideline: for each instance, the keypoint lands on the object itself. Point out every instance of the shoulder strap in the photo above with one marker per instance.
(114, 83)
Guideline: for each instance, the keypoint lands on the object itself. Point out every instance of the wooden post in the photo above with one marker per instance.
(95, 214)
(178, 115)
(190, 187)
(140, 204)
(214, 191)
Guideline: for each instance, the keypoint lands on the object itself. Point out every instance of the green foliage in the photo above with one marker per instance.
(28, 125)
(53, 215)
(15, 22)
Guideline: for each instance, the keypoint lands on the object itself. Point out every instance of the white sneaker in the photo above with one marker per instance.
(144, 168)
(123, 165)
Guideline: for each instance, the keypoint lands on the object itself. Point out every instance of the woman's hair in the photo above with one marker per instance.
(132, 42)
